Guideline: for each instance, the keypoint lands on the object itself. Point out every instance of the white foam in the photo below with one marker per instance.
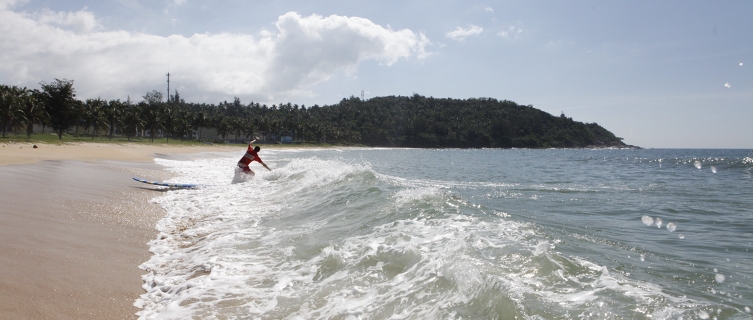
(225, 251)
(406, 196)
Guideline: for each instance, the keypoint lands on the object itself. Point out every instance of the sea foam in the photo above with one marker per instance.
(327, 234)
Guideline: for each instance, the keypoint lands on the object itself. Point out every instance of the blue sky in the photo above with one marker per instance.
(660, 74)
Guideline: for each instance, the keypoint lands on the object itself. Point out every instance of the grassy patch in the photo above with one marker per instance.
(51, 138)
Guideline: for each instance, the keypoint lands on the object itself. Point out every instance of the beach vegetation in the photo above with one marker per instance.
(113, 113)
(59, 99)
(131, 121)
(151, 112)
(95, 116)
(33, 111)
(392, 121)
(12, 99)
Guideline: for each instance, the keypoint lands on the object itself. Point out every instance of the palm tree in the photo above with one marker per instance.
(11, 107)
(151, 111)
(94, 115)
(151, 116)
(183, 124)
(238, 125)
(248, 132)
(198, 122)
(33, 110)
(132, 120)
(113, 115)
(264, 126)
(223, 127)
(169, 119)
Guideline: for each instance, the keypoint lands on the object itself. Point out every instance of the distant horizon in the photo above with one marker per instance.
(671, 74)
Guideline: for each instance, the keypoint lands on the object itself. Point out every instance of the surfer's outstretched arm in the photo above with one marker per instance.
(265, 165)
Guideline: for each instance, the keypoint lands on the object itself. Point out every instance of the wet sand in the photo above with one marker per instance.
(24, 153)
(74, 228)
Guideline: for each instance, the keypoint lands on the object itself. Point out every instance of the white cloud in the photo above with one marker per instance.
(423, 41)
(511, 33)
(9, 3)
(460, 34)
(488, 9)
(81, 21)
(279, 64)
(312, 49)
(265, 33)
(173, 4)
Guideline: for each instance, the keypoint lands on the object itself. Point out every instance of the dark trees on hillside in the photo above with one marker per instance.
(423, 122)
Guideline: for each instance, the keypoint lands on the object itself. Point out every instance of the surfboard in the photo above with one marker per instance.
(171, 185)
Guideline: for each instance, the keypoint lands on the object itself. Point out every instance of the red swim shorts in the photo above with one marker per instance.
(245, 167)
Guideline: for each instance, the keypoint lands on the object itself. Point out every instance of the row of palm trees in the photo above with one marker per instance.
(20, 108)
(55, 106)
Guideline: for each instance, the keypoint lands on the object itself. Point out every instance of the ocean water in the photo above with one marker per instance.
(456, 234)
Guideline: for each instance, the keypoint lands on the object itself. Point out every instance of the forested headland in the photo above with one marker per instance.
(393, 121)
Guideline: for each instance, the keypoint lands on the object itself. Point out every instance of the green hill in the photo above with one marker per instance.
(423, 122)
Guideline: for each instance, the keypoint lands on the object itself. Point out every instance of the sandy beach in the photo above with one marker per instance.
(74, 227)
(25, 153)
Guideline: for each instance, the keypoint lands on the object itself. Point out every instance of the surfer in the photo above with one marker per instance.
(252, 154)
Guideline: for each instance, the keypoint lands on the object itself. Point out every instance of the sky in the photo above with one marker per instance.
(660, 74)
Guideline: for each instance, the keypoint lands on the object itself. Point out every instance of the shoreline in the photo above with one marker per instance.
(12, 153)
(74, 227)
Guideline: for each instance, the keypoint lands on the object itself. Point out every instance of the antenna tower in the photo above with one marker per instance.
(361, 95)
(168, 87)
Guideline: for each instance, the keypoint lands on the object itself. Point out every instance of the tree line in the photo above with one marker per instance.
(392, 121)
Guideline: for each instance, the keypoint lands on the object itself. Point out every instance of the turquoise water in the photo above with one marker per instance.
(472, 234)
